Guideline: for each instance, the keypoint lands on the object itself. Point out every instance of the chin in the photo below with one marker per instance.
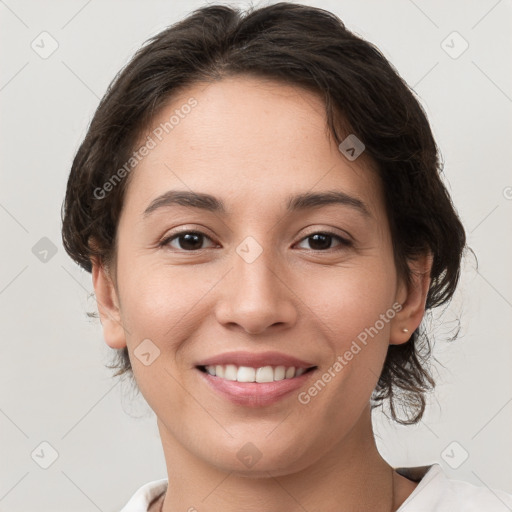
(260, 458)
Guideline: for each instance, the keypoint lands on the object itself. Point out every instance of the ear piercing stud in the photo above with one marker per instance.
(405, 330)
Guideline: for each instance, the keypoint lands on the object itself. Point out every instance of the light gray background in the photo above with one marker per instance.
(53, 383)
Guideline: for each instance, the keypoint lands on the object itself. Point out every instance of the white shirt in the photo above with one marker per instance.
(435, 492)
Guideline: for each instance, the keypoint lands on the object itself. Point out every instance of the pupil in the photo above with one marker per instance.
(320, 237)
(190, 238)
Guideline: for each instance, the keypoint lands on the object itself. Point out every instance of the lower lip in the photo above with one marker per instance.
(254, 394)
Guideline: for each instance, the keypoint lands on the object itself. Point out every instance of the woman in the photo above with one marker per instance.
(258, 199)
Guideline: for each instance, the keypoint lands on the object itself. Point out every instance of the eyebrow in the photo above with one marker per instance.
(295, 203)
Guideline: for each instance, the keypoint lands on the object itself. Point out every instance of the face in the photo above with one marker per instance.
(287, 262)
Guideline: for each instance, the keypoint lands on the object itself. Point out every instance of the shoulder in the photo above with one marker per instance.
(436, 492)
(142, 498)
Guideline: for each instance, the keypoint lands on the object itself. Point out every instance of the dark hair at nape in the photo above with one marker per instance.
(363, 94)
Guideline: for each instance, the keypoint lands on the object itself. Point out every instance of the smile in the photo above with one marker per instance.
(254, 387)
(262, 374)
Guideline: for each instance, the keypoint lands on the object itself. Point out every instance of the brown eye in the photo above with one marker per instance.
(186, 241)
(321, 241)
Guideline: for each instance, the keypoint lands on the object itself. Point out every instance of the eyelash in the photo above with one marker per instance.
(345, 243)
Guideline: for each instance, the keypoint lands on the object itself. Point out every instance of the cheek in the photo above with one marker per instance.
(351, 299)
(160, 302)
(159, 305)
(353, 310)
(165, 303)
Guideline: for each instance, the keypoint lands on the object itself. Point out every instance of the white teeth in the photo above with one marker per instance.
(230, 372)
(290, 373)
(248, 374)
(265, 374)
(245, 374)
(279, 372)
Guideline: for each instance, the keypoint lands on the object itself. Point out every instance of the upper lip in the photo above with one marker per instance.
(256, 360)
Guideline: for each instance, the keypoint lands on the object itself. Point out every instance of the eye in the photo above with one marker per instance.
(186, 240)
(321, 241)
(190, 241)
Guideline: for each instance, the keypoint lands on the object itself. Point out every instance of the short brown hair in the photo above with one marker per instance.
(363, 94)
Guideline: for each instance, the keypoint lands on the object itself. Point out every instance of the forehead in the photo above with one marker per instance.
(250, 137)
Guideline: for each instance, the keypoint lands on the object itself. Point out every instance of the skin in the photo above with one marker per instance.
(253, 142)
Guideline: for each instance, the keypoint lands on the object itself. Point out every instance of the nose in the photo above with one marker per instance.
(256, 296)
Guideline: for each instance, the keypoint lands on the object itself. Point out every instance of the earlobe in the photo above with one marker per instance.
(108, 306)
(412, 297)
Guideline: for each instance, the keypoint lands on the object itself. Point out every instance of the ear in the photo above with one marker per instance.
(412, 297)
(108, 305)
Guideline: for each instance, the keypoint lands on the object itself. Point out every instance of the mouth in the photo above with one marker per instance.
(254, 387)
(248, 374)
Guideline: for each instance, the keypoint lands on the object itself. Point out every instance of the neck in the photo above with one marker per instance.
(350, 476)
